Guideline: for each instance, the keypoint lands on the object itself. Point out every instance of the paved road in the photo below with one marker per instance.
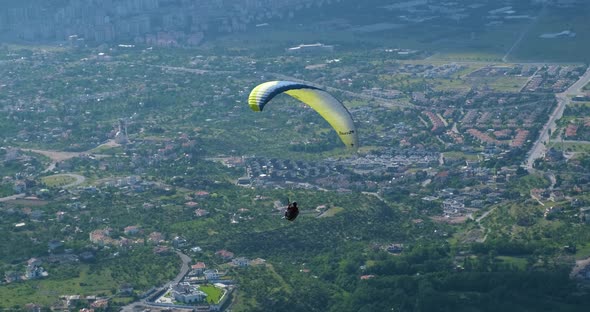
(376, 195)
(186, 260)
(13, 197)
(539, 148)
(483, 228)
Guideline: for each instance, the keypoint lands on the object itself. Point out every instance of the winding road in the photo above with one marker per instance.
(143, 303)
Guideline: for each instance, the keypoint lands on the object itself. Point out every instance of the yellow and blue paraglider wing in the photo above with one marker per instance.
(332, 110)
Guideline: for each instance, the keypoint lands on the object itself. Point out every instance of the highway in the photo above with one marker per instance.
(539, 148)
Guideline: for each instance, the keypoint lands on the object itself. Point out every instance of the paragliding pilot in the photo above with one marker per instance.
(292, 211)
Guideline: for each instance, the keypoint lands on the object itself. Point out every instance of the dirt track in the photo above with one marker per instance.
(57, 156)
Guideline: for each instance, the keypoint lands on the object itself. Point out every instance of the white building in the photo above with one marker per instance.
(211, 274)
(310, 48)
(187, 293)
(241, 262)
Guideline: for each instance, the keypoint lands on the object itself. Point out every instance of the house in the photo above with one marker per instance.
(201, 212)
(101, 237)
(453, 206)
(20, 186)
(131, 230)
(191, 204)
(34, 262)
(155, 237)
(201, 193)
(196, 249)
(60, 215)
(244, 181)
(187, 293)
(34, 272)
(161, 250)
(224, 254)
(241, 262)
(211, 274)
(395, 248)
(198, 268)
(100, 304)
(179, 242)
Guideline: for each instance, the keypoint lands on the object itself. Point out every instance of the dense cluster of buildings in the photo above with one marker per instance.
(335, 174)
(190, 290)
(157, 22)
(553, 78)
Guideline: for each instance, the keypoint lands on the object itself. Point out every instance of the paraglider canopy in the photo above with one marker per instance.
(292, 211)
(332, 110)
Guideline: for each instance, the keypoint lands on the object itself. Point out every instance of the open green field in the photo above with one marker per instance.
(502, 84)
(507, 84)
(58, 180)
(583, 252)
(450, 84)
(456, 155)
(123, 300)
(474, 56)
(331, 212)
(107, 150)
(47, 290)
(213, 293)
(6, 190)
(581, 147)
(579, 103)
